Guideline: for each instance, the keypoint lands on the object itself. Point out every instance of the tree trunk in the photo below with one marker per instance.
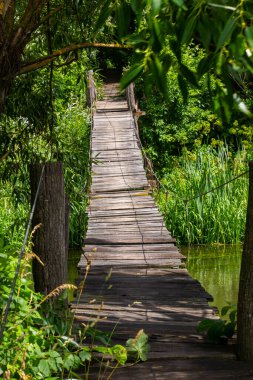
(4, 89)
(50, 239)
(245, 297)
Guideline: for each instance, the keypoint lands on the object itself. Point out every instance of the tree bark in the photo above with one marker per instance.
(50, 239)
(245, 297)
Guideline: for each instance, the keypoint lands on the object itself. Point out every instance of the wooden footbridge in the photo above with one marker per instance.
(138, 278)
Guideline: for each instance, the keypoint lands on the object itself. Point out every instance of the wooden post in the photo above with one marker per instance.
(91, 90)
(245, 297)
(50, 239)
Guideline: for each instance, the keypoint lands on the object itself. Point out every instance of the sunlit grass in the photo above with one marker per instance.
(216, 217)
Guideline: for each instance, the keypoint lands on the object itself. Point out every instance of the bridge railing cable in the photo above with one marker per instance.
(21, 255)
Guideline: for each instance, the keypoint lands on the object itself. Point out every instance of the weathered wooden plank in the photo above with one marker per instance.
(129, 247)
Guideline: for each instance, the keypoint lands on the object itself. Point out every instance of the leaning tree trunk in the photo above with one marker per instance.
(245, 297)
(50, 238)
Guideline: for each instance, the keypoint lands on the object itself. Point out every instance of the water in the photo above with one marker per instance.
(217, 268)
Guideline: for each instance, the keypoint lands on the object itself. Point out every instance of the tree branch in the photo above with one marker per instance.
(44, 61)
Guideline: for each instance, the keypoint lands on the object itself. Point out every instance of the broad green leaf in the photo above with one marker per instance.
(122, 14)
(52, 364)
(156, 6)
(133, 73)
(226, 33)
(233, 316)
(249, 35)
(188, 30)
(138, 6)
(224, 310)
(103, 16)
(189, 75)
(175, 47)
(238, 46)
(205, 65)
(85, 355)
(183, 87)
(138, 346)
(159, 74)
(44, 367)
(102, 349)
(179, 3)
(229, 330)
(216, 331)
(157, 43)
(120, 353)
(204, 325)
(204, 31)
(69, 362)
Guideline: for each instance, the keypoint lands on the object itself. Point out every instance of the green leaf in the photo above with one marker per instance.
(159, 74)
(229, 330)
(44, 367)
(156, 6)
(119, 352)
(133, 73)
(249, 35)
(103, 16)
(69, 362)
(189, 75)
(188, 30)
(226, 33)
(204, 31)
(102, 349)
(138, 346)
(175, 47)
(156, 37)
(138, 6)
(238, 46)
(216, 331)
(205, 65)
(52, 364)
(224, 310)
(233, 316)
(183, 87)
(122, 14)
(179, 3)
(204, 325)
(85, 355)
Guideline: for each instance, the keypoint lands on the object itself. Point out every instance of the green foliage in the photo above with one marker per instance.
(218, 331)
(216, 217)
(138, 347)
(171, 125)
(225, 33)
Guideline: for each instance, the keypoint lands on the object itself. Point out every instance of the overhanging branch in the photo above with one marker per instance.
(44, 61)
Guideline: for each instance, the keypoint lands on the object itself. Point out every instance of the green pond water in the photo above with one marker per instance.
(217, 268)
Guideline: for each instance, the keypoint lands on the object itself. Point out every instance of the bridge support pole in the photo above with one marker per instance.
(51, 238)
(245, 297)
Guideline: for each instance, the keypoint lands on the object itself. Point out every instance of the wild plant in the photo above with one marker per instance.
(198, 208)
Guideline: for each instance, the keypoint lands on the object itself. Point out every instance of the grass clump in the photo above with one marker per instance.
(216, 217)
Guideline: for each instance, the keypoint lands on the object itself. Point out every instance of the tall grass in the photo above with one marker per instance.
(217, 217)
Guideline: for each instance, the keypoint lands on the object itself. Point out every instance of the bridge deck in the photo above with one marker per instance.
(148, 287)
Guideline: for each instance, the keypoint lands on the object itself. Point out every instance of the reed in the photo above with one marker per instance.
(216, 217)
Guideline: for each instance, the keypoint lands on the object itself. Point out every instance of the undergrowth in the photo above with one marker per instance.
(215, 217)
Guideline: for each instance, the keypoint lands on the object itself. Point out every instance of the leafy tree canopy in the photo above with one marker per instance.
(33, 33)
